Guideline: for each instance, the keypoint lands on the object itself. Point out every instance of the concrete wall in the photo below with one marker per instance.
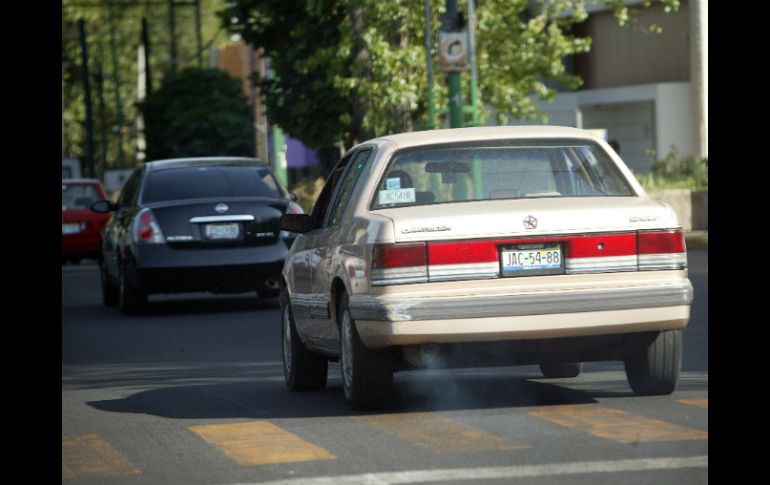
(691, 206)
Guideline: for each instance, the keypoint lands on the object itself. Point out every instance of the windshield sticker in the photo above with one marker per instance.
(399, 196)
(393, 184)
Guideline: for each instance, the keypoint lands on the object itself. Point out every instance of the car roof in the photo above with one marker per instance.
(204, 161)
(482, 133)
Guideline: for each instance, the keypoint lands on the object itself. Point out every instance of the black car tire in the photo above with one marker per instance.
(563, 370)
(110, 291)
(132, 300)
(653, 367)
(303, 369)
(367, 375)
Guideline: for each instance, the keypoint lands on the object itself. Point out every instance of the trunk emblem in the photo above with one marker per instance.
(530, 222)
(221, 208)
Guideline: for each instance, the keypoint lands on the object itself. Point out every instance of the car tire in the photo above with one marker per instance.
(131, 300)
(563, 370)
(303, 369)
(367, 375)
(110, 291)
(653, 366)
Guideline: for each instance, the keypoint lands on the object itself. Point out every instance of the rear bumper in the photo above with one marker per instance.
(384, 321)
(161, 269)
(82, 244)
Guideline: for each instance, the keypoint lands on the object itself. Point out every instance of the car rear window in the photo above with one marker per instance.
(78, 196)
(206, 182)
(436, 175)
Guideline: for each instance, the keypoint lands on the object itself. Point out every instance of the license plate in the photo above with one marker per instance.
(70, 228)
(221, 232)
(532, 259)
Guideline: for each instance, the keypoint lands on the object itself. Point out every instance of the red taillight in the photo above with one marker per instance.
(399, 255)
(399, 263)
(146, 229)
(661, 250)
(661, 242)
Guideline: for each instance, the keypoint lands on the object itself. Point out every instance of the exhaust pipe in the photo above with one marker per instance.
(272, 284)
(420, 355)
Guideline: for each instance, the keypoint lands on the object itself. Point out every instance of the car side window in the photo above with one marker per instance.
(346, 186)
(322, 203)
(129, 193)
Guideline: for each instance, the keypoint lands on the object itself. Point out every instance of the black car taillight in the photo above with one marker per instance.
(146, 229)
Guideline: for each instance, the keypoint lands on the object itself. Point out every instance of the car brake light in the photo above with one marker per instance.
(660, 250)
(146, 229)
(394, 264)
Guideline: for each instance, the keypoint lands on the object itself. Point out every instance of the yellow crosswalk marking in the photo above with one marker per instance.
(439, 433)
(616, 425)
(89, 455)
(703, 403)
(260, 443)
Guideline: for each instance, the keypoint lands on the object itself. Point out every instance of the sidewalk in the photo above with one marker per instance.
(697, 239)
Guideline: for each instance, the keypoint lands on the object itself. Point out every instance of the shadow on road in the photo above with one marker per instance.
(414, 392)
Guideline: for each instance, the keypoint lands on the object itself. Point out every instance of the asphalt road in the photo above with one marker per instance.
(193, 392)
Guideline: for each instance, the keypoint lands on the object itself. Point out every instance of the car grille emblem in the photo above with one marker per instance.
(530, 222)
(221, 208)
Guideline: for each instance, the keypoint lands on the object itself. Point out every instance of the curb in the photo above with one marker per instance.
(697, 240)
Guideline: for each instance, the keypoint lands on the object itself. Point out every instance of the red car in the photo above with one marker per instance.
(80, 226)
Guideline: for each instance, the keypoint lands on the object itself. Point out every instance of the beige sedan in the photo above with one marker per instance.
(478, 247)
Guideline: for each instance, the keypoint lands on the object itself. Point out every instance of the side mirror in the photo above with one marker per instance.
(293, 197)
(103, 206)
(299, 223)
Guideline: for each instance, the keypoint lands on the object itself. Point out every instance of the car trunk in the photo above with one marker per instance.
(522, 237)
(245, 221)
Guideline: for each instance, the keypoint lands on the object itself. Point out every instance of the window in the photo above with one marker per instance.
(559, 168)
(78, 196)
(210, 182)
(346, 186)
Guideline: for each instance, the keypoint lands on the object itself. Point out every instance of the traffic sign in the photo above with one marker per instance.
(453, 51)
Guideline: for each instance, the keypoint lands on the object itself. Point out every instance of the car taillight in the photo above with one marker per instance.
(394, 264)
(146, 229)
(661, 250)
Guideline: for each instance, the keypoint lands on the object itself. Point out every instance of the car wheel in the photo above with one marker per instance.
(555, 371)
(110, 291)
(131, 299)
(303, 370)
(367, 375)
(653, 367)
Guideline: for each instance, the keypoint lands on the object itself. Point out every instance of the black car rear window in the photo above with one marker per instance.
(206, 182)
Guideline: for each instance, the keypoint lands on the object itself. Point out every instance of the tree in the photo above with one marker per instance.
(125, 17)
(358, 67)
(198, 112)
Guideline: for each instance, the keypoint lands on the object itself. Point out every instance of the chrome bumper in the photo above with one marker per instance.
(372, 308)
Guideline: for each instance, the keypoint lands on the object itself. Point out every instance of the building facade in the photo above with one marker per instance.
(648, 90)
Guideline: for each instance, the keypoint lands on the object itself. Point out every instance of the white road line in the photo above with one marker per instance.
(506, 472)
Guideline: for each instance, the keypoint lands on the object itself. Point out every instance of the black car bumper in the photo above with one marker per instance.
(163, 269)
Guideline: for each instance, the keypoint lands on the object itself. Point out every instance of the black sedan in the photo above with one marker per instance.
(194, 224)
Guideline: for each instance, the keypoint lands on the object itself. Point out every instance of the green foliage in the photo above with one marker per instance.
(672, 172)
(198, 112)
(348, 70)
(126, 19)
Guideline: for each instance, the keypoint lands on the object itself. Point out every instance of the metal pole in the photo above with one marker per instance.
(453, 80)
(472, 51)
(87, 96)
(116, 75)
(172, 30)
(198, 36)
(429, 63)
(146, 43)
